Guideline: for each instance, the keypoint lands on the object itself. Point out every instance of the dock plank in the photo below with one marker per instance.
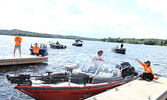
(136, 90)
(21, 60)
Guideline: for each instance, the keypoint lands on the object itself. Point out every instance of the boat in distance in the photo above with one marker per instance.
(78, 43)
(119, 50)
(43, 50)
(57, 46)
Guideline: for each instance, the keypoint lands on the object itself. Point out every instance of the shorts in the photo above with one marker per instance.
(19, 47)
(37, 54)
(145, 76)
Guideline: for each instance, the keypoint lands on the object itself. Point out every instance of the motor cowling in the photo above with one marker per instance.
(127, 70)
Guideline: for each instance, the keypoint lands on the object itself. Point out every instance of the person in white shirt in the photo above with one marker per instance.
(99, 56)
(97, 61)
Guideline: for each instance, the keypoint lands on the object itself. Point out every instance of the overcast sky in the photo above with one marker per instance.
(89, 18)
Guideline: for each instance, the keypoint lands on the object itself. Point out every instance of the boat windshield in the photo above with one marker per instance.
(41, 45)
(100, 68)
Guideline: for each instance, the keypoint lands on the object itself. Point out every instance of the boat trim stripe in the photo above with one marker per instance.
(67, 88)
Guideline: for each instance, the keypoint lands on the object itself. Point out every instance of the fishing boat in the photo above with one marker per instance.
(43, 51)
(78, 43)
(75, 84)
(57, 45)
(119, 50)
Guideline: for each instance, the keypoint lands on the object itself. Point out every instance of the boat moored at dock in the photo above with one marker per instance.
(77, 83)
(43, 50)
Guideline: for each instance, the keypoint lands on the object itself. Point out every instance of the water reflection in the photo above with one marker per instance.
(21, 68)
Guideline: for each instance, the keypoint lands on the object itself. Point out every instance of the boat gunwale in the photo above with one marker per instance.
(107, 84)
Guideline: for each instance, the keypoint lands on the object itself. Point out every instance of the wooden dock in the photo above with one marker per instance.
(22, 60)
(136, 90)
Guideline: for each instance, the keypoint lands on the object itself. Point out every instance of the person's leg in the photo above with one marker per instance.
(144, 76)
(36, 54)
(140, 77)
(19, 47)
(14, 51)
(150, 76)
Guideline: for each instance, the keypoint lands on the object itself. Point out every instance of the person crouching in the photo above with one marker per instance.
(147, 73)
(36, 49)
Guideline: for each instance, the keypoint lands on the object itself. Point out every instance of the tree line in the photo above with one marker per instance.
(161, 42)
(14, 32)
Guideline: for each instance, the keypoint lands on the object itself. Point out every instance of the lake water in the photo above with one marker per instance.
(59, 57)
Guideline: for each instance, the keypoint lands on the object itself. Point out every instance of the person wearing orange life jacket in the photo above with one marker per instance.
(18, 40)
(147, 74)
(36, 49)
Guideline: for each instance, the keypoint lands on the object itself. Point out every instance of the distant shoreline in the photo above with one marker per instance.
(150, 41)
(160, 42)
(14, 32)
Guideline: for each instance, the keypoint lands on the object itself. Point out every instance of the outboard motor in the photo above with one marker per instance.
(127, 70)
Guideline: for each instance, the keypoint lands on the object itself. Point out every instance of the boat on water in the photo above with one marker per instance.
(57, 45)
(75, 84)
(78, 43)
(119, 50)
(43, 50)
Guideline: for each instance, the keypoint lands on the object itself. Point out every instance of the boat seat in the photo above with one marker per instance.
(71, 66)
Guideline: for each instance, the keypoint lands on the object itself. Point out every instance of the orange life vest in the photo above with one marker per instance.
(36, 49)
(147, 69)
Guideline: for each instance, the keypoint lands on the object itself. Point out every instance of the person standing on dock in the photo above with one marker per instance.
(18, 40)
(36, 49)
(147, 74)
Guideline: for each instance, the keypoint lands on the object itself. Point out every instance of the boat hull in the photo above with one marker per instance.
(58, 46)
(122, 51)
(66, 92)
(79, 45)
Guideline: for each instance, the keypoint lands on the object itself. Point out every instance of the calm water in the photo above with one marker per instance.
(58, 58)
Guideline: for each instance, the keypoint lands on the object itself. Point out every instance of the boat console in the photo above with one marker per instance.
(70, 67)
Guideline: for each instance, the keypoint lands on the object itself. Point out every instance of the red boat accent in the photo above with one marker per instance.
(47, 92)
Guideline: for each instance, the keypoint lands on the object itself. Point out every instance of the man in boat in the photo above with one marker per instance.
(97, 61)
(57, 43)
(122, 45)
(36, 49)
(147, 74)
(99, 56)
(18, 40)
